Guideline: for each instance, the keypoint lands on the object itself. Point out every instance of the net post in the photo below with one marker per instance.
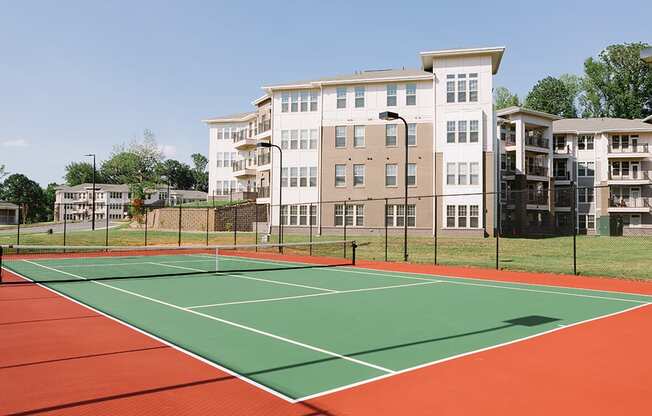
(497, 230)
(345, 208)
(179, 234)
(354, 247)
(106, 213)
(256, 226)
(310, 227)
(65, 223)
(436, 201)
(18, 229)
(217, 259)
(234, 211)
(574, 211)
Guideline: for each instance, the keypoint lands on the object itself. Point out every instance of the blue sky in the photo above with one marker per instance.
(79, 77)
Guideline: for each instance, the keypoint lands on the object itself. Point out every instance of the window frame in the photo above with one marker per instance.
(388, 167)
(340, 178)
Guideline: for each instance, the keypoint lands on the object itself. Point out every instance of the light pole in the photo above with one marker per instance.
(268, 145)
(93, 219)
(389, 116)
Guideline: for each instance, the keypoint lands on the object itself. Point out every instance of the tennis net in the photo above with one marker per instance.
(58, 264)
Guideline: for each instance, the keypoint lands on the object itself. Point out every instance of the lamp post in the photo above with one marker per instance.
(389, 116)
(268, 145)
(93, 219)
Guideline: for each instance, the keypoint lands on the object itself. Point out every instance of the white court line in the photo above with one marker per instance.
(453, 357)
(370, 289)
(247, 277)
(506, 287)
(72, 266)
(224, 321)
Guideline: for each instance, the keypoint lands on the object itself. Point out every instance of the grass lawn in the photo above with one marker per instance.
(627, 257)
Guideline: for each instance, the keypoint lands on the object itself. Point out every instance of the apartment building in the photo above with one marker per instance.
(337, 153)
(610, 159)
(74, 203)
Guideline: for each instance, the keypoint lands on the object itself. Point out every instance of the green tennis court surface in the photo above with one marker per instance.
(301, 332)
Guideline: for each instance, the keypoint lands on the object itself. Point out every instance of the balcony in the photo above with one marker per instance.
(539, 171)
(632, 151)
(538, 143)
(243, 141)
(263, 129)
(563, 150)
(633, 178)
(537, 199)
(263, 192)
(242, 168)
(264, 159)
(562, 178)
(624, 205)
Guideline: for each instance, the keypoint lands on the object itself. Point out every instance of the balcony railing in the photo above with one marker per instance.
(537, 142)
(565, 176)
(239, 165)
(264, 126)
(632, 176)
(510, 141)
(638, 148)
(562, 150)
(263, 192)
(563, 199)
(537, 198)
(537, 171)
(627, 202)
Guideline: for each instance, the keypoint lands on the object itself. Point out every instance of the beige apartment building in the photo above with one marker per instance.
(343, 167)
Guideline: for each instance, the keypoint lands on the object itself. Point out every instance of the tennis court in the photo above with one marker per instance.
(301, 324)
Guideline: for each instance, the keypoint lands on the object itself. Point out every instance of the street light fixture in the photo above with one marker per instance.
(93, 219)
(390, 116)
(268, 145)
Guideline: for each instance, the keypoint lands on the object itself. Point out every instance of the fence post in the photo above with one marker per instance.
(235, 224)
(65, 222)
(497, 230)
(20, 216)
(207, 215)
(256, 228)
(179, 237)
(106, 213)
(345, 209)
(436, 226)
(146, 210)
(385, 218)
(310, 227)
(574, 211)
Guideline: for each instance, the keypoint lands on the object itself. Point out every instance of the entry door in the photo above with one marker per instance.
(635, 167)
(634, 196)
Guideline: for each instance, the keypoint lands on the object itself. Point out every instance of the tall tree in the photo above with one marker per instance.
(179, 175)
(135, 165)
(81, 172)
(27, 194)
(551, 95)
(617, 83)
(201, 175)
(504, 98)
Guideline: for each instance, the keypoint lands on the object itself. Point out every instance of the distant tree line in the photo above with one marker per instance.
(615, 84)
(140, 164)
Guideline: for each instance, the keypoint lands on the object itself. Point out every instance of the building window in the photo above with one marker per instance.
(390, 134)
(412, 134)
(475, 173)
(313, 101)
(586, 169)
(341, 97)
(450, 216)
(340, 175)
(304, 139)
(391, 95)
(359, 97)
(314, 135)
(340, 136)
(411, 94)
(461, 131)
(218, 161)
(473, 131)
(585, 195)
(303, 177)
(590, 222)
(285, 139)
(450, 174)
(412, 174)
(294, 139)
(473, 87)
(390, 174)
(584, 142)
(313, 215)
(294, 102)
(461, 88)
(313, 176)
(461, 216)
(284, 214)
(358, 136)
(358, 175)
(354, 215)
(294, 177)
(462, 173)
(450, 88)
(304, 100)
(395, 216)
(294, 209)
(450, 132)
(474, 217)
(303, 214)
(285, 102)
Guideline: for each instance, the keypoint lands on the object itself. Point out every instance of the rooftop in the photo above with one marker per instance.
(515, 109)
(231, 118)
(600, 125)
(367, 76)
(496, 52)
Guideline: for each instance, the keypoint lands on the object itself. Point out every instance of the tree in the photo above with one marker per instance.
(25, 193)
(135, 165)
(179, 175)
(81, 172)
(617, 83)
(504, 98)
(551, 95)
(201, 176)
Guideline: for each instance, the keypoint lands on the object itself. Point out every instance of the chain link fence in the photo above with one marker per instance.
(574, 229)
